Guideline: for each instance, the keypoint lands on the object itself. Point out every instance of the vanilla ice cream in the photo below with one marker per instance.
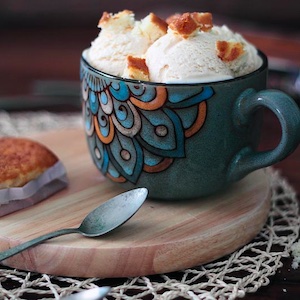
(195, 57)
(188, 49)
(121, 35)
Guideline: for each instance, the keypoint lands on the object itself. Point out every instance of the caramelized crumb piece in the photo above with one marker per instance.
(172, 18)
(104, 19)
(188, 24)
(184, 25)
(124, 18)
(153, 27)
(229, 51)
(204, 20)
(136, 68)
(161, 24)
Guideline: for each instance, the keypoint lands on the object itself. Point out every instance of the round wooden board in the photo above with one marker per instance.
(162, 236)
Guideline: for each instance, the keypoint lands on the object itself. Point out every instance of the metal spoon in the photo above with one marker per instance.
(92, 294)
(101, 220)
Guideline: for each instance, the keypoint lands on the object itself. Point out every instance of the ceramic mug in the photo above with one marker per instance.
(182, 140)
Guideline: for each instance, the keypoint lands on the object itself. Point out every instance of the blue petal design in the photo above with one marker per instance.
(103, 98)
(124, 114)
(137, 90)
(93, 100)
(105, 158)
(88, 117)
(101, 160)
(170, 145)
(112, 171)
(97, 85)
(132, 168)
(161, 134)
(145, 95)
(188, 115)
(119, 91)
(103, 121)
(183, 99)
(151, 159)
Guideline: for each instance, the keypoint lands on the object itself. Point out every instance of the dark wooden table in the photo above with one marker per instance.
(30, 56)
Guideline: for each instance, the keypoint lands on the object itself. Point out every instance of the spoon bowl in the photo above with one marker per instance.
(105, 218)
(113, 213)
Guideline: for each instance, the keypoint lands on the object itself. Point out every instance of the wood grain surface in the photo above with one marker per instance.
(161, 237)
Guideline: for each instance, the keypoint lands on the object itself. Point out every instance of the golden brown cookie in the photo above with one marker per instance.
(22, 160)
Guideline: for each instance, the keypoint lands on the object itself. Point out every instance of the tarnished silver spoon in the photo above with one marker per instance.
(103, 219)
(92, 294)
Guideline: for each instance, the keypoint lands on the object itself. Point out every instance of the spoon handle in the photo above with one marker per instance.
(19, 248)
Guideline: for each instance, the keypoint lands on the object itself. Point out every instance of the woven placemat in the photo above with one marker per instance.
(230, 277)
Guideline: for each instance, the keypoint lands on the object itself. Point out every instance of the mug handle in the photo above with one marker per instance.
(288, 114)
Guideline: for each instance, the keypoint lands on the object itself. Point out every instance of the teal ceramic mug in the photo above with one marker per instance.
(182, 140)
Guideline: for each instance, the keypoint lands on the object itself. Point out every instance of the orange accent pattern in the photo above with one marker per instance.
(202, 108)
(156, 121)
(157, 102)
(105, 139)
(119, 179)
(163, 165)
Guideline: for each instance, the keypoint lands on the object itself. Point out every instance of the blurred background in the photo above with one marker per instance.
(41, 41)
(82, 13)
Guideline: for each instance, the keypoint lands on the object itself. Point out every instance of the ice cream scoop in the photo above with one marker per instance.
(188, 54)
(121, 35)
(187, 48)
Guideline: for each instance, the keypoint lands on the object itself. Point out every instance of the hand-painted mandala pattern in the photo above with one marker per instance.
(135, 128)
